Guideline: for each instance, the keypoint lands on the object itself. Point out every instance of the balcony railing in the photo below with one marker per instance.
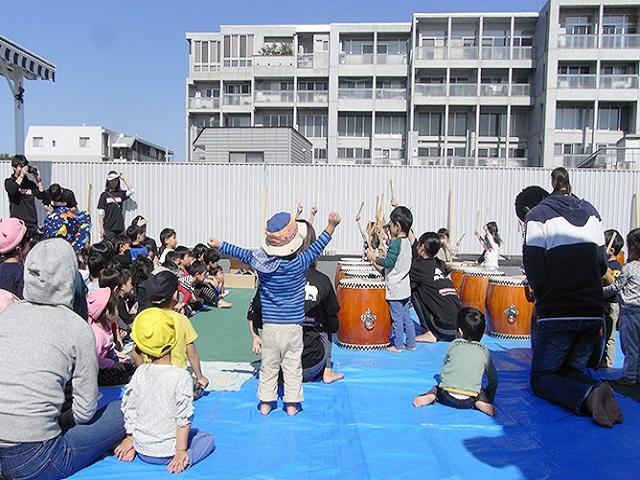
(273, 60)
(494, 89)
(274, 96)
(576, 81)
(495, 53)
(237, 62)
(463, 53)
(391, 58)
(463, 90)
(431, 53)
(356, 59)
(618, 81)
(520, 90)
(206, 67)
(305, 60)
(391, 93)
(430, 89)
(237, 99)
(577, 41)
(356, 93)
(204, 103)
(313, 96)
(627, 40)
(444, 161)
(522, 53)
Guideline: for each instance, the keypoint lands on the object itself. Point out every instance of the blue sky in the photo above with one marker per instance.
(122, 63)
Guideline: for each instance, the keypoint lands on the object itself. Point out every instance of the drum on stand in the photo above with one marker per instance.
(364, 319)
(475, 283)
(509, 308)
(360, 265)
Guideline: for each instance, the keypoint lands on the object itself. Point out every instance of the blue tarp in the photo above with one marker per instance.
(366, 427)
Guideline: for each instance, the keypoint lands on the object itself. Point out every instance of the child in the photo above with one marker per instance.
(627, 286)
(162, 288)
(114, 367)
(137, 236)
(397, 264)
(466, 361)
(13, 249)
(282, 267)
(216, 276)
(198, 252)
(158, 402)
(168, 242)
(205, 288)
(447, 253)
(122, 246)
(127, 308)
(491, 242)
(611, 307)
(100, 257)
(211, 258)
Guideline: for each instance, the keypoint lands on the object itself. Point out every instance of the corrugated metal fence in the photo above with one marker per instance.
(229, 201)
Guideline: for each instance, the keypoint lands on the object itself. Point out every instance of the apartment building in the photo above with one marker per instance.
(548, 88)
(84, 143)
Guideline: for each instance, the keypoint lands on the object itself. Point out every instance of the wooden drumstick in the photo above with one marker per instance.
(359, 214)
(610, 244)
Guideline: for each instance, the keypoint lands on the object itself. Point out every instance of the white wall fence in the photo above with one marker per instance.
(229, 201)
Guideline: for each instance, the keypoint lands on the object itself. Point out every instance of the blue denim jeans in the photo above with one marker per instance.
(201, 445)
(402, 323)
(560, 355)
(69, 452)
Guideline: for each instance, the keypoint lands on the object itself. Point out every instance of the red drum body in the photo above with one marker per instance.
(509, 308)
(475, 283)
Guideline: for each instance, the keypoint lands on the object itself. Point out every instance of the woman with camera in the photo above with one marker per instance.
(22, 192)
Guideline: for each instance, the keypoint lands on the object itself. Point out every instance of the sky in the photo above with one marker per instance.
(122, 64)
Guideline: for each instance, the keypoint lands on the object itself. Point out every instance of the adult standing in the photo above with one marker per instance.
(45, 345)
(110, 214)
(23, 191)
(564, 260)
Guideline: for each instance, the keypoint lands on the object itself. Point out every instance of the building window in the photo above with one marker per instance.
(313, 125)
(390, 153)
(353, 46)
(613, 118)
(354, 153)
(84, 142)
(237, 120)
(237, 50)
(390, 124)
(568, 149)
(392, 47)
(573, 117)
(458, 124)
(38, 142)
(246, 157)
(354, 125)
(274, 119)
(313, 85)
(429, 124)
(319, 153)
(493, 124)
(519, 124)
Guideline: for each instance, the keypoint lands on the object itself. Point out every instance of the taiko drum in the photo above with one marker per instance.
(509, 307)
(475, 283)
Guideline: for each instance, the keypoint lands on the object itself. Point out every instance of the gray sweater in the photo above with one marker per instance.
(627, 286)
(44, 344)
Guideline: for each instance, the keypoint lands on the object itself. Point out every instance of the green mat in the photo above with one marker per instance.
(223, 335)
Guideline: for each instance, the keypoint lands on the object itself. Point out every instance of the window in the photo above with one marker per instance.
(313, 125)
(354, 153)
(429, 124)
(616, 69)
(390, 153)
(613, 118)
(237, 50)
(313, 85)
(574, 70)
(458, 124)
(493, 124)
(237, 120)
(573, 117)
(519, 124)
(320, 153)
(489, 152)
(354, 125)
(392, 47)
(274, 119)
(355, 83)
(237, 88)
(38, 142)
(578, 24)
(389, 124)
(518, 152)
(352, 46)
(568, 149)
(246, 157)
(429, 152)
(84, 142)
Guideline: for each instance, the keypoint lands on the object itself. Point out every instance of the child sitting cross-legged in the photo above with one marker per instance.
(158, 402)
(465, 363)
(205, 288)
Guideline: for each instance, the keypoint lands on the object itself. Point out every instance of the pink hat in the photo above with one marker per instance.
(12, 232)
(6, 299)
(97, 301)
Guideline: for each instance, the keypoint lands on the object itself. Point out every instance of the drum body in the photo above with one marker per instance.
(457, 271)
(475, 283)
(509, 308)
(364, 319)
(350, 265)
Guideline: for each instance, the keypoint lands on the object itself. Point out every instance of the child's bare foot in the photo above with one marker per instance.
(393, 349)
(330, 376)
(427, 337)
(292, 409)
(125, 451)
(223, 304)
(265, 408)
(595, 404)
(424, 400)
(486, 407)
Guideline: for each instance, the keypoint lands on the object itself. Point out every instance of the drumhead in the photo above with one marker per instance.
(508, 281)
(363, 283)
(352, 260)
(482, 272)
(362, 274)
(355, 266)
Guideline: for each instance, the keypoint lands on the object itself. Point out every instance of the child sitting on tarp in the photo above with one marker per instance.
(158, 402)
(465, 363)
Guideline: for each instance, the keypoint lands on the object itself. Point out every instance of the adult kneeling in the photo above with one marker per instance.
(44, 344)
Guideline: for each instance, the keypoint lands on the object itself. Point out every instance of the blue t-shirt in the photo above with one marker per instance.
(12, 278)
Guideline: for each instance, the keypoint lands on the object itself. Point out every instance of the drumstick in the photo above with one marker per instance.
(610, 244)
(460, 240)
(89, 189)
(477, 220)
(359, 214)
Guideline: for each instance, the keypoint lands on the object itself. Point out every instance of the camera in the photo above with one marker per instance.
(32, 170)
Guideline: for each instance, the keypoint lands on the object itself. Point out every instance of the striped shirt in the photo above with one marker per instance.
(282, 291)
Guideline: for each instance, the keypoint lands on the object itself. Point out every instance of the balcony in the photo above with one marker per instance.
(520, 90)
(463, 53)
(444, 161)
(495, 53)
(430, 89)
(463, 90)
(618, 81)
(576, 81)
(356, 59)
(391, 93)
(621, 41)
(305, 60)
(204, 103)
(577, 41)
(313, 96)
(391, 59)
(431, 53)
(494, 89)
(238, 62)
(273, 61)
(237, 99)
(355, 93)
(205, 67)
(522, 53)
(274, 96)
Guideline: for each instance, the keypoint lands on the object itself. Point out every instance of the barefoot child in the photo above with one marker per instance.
(464, 365)
(282, 265)
(158, 402)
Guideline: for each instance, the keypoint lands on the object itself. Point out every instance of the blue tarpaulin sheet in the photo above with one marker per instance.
(366, 427)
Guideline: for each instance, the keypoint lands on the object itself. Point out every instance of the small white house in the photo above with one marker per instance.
(89, 144)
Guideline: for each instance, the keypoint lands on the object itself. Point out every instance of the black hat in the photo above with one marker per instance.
(529, 198)
(161, 286)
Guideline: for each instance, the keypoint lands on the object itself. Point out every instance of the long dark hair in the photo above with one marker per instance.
(560, 180)
(308, 239)
(492, 228)
(112, 185)
(633, 244)
(431, 243)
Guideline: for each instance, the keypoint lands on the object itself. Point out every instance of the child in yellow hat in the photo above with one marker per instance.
(158, 402)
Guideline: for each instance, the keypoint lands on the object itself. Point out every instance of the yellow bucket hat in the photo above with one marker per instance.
(154, 332)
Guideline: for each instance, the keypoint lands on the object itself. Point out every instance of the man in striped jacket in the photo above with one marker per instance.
(564, 260)
(281, 268)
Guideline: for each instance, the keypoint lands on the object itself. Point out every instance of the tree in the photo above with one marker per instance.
(5, 156)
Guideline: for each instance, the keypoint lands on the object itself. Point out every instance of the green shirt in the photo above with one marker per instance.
(464, 365)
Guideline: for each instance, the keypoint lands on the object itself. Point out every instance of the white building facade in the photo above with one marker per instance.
(548, 88)
(83, 143)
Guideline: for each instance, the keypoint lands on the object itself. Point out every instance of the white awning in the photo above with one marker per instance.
(33, 67)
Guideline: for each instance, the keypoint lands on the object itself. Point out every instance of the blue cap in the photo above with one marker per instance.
(279, 221)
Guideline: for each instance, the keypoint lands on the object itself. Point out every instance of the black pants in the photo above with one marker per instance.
(109, 377)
